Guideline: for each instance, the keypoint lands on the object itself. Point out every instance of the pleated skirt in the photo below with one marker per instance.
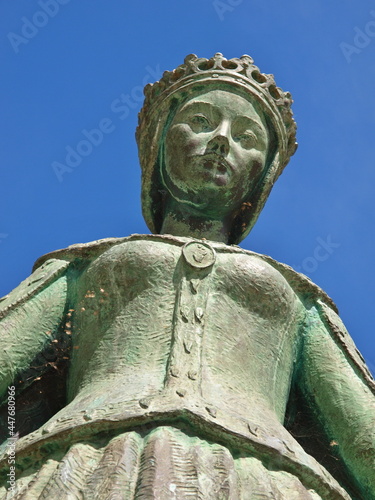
(164, 463)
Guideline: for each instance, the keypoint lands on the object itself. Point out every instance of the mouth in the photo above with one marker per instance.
(215, 167)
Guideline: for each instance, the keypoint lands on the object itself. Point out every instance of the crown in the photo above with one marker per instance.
(238, 71)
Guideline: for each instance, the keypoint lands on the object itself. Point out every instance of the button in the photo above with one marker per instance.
(145, 402)
(199, 255)
(199, 313)
(289, 448)
(211, 411)
(47, 428)
(188, 344)
(192, 374)
(194, 284)
(181, 392)
(184, 313)
(174, 371)
(253, 429)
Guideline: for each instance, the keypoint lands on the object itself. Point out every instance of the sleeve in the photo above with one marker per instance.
(30, 317)
(338, 385)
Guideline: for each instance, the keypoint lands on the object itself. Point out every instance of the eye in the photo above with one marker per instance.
(247, 139)
(199, 123)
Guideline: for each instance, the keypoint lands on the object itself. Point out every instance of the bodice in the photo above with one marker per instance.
(193, 325)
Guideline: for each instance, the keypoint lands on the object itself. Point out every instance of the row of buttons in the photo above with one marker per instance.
(185, 361)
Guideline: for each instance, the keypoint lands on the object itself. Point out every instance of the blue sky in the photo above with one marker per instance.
(66, 64)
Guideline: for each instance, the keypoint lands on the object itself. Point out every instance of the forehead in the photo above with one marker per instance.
(226, 102)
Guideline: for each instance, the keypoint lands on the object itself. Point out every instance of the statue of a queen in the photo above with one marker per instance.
(177, 365)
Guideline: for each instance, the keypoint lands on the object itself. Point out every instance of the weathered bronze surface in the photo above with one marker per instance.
(178, 365)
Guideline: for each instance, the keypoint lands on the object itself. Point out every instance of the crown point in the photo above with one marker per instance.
(190, 57)
(247, 58)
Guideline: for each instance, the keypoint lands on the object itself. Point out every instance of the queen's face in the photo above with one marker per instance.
(215, 151)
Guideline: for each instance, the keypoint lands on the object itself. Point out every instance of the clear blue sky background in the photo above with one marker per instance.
(64, 75)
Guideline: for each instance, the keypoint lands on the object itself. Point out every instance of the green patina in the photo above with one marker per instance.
(177, 365)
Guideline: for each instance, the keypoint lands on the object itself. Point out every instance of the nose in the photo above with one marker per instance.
(219, 143)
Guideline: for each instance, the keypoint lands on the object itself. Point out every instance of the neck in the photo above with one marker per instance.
(183, 221)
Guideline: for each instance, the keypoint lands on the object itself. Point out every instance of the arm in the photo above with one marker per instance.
(29, 317)
(338, 385)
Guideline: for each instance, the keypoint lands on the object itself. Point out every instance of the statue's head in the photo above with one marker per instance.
(213, 135)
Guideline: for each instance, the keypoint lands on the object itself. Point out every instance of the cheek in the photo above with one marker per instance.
(252, 160)
(182, 140)
(250, 168)
(256, 165)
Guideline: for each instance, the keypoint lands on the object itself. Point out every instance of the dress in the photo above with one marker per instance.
(184, 354)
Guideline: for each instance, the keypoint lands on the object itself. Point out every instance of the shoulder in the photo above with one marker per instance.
(47, 273)
(91, 250)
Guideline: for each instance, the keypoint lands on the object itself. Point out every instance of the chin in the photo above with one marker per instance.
(212, 204)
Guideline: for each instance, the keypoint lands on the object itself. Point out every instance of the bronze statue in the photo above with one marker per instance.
(193, 368)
